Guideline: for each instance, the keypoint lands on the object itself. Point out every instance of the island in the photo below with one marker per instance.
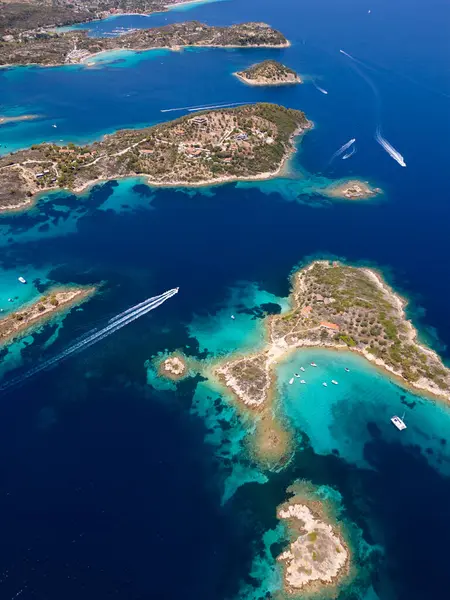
(352, 189)
(51, 48)
(334, 306)
(268, 72)
(241, 143)
(318, 556)
(58, 299)
(34, 16)
(173, 367)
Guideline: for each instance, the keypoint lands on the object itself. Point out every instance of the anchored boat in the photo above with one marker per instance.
(399, 422)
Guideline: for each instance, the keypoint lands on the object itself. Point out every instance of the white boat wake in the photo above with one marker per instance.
(342, 149)
(395, 154)
(349, 154)
(194, 108)
(319, 88)
(94, 336)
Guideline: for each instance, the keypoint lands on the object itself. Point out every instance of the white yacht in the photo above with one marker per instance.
(233, 317)
(291, 381)
(313, 365)
(325, 384)
(22, 279)
(302, 381)
(334, 382)
(399, 422)
(302, 369)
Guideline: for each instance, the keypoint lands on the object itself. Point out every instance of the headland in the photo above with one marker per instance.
(51, 48)
(242, 143)
(269, 72)
(55, 300)
(339, 307)
(318, 557)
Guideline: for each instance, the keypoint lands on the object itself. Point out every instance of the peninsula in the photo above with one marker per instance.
(245, 142)
(268, 72)
(51, 48)
(339, 307)
(318, 557)
(61, 298)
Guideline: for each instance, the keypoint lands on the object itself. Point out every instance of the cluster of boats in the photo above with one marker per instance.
(395, 420)
(313, 364)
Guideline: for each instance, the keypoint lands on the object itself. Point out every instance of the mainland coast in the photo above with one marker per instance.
(56, 300)
(249, 142)
(338, 307)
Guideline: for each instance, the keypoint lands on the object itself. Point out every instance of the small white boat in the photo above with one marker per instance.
(291, 381)
(347, 369)
(296, 375)
(302, 381)
(233, 317)
(54, 125)
(22, 279)
(325, 384)
(399, 422)
(302, 369)
(334, 382)
(313, 365)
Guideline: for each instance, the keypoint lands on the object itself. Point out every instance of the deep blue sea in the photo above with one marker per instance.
(115, 485)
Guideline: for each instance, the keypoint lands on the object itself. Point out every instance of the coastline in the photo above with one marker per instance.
(177, 48)
(276, 352)
(32, 200)
(260, 83)
(74, 297)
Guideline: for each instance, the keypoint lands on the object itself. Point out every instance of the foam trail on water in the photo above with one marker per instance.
(395, 154)
(193, 108)
(91, 338)
(319, 88)
(342, 149)
(349, 154)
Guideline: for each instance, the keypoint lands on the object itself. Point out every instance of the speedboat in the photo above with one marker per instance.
(347, 369)
(302, 381)
(233, 317)
(313, 365)
(296, 375)
(334, 382)
(291, 381)
(399, 422)
(325, 384)
(22, 279)
(302, 369)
